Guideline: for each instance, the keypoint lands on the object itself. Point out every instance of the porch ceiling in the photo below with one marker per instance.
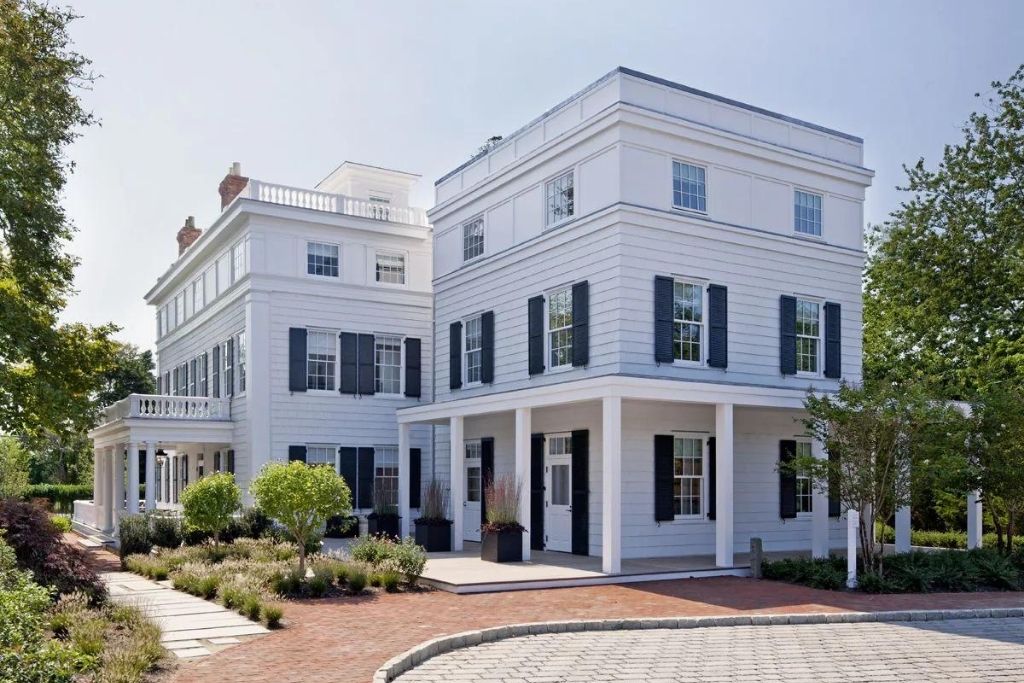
(157, 430)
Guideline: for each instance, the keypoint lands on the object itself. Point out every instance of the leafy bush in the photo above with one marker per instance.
(342, 526)
(941, 539)
(995, 570)
(209, 503)
(164, 530)
(62, 522)
(384, 553)
(409, 559)
(372, 550)
(253, 523)
(133, 535)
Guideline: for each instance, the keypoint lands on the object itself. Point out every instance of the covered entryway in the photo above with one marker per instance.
(558, 492)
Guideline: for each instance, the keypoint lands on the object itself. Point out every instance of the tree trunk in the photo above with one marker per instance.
(1009, 529)
(998, 524)
(302, 558)
(216, 540)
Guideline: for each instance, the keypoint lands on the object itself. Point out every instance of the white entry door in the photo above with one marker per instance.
(558, 492)
(474, 492)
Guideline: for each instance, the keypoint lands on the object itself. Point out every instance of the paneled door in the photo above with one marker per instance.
(558, 492)
(474, 492)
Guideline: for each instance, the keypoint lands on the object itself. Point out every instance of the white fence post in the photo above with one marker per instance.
(852, 528)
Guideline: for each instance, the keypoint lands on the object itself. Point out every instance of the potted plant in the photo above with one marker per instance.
(433, 528)
(502, 533)
(384, 518)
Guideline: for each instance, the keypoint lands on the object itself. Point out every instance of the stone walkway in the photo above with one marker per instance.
(190, 626)
(956, 650)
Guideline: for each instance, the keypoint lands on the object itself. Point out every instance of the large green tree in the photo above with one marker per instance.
(49, 371)
(944, 286)
(130, 372)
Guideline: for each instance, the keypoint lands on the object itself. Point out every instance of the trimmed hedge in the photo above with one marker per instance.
(62, 497)
(942, 539)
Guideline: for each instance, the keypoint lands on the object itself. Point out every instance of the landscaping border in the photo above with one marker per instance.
(398, 665)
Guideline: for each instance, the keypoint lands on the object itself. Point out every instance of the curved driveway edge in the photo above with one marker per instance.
(431, 648)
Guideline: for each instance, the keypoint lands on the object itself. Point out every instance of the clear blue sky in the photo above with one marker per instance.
(290, 89)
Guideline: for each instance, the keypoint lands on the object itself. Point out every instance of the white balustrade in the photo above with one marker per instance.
(169, 408)
(333, 203)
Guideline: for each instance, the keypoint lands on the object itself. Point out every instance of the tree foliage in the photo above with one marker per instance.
(14, 460)
(130, 372)
(209, 503)
(301, 498)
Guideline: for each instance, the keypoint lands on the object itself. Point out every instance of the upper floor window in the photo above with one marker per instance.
(387, 366)
(179, 308)
(473, 346)
(223, 274)
(240, 350)
(209, 284)
(689, 190)
(688, 322)
(807, 213)
(804, 491)
(322, 259)
(385, 474)
(559, 199)
(239, 259)
(321, 455)
(808, 336)
(201, 375)
(321, 360)
(226, 352)
(198, 294)
(473, 239)
(390, 268)
(559, 321)
(688, 484)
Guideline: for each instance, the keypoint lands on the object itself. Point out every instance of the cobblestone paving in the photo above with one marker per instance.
(955, 650)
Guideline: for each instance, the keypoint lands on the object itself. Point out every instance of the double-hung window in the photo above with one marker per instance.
(201, 374)
(179, 308)
(387, 366)
(199, 294)
(321, 455)
(322, 259)
(385, 474)
(804, 492)
(688, 322)
(473, 349)
(321, 360)
(559, 323)
(240, 351)
(472, 239)
(807, 213)
(559, 199)
(688, 470)
(689, 187)
(390, 268)
(239, 259)
(808, 336)
(228, 371)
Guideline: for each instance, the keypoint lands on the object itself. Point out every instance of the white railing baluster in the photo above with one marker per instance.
(147, 406)
(333, 203)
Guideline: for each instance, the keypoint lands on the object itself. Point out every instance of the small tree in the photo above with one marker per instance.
(301, 498)
(209, 503)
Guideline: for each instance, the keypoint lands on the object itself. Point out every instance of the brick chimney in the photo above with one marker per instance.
(188, 234)
(234, 182)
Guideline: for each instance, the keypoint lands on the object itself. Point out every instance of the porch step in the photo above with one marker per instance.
(90, 537)
(576, 581)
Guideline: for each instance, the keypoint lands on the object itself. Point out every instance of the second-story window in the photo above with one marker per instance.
(473, 349)
(473, 239)
(226, 351)
(240, 351)
(559, 199)
(688, 322)
(689, 189)
(321, 360)
(804, 491)
(198, 294)
(239, 259)
(201, 375)
(559, 322)
(322, 259)
(808, 336)
(390, 268)
(387, 366)
(807, 213)
(179, 308)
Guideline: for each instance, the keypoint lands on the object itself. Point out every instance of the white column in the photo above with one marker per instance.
(133, 478)
(819, 510)
(524, 423)
(165, 480)
(257, 407)
(150, 476)
(724, 556)
(106, 504)
(852, 532)
(974, 517)
(458, 481)
(172, 492)
(903, 529)
(117, 475)
(611, 484)
(403, 479)
(97, 487)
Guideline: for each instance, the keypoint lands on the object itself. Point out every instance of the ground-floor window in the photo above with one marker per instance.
(804, 490)
(385, 474)
(561, 474)
(321, 455)
(688, 486)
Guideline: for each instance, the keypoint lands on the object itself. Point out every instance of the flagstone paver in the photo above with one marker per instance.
(956, 650)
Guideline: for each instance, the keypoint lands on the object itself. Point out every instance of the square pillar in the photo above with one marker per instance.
(723, 485)
(458, 481)
(974, 517)
(117, 478)
(524, 424)
(150, 476)
(611, 484)
(903, 529)
(819, 509)
(403, 480)
(133, 478)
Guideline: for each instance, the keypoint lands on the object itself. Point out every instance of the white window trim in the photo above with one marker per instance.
(810, 513)
(704, 486)
(792, 213)
(241, 362)
(465, 353)
(401, 367)
(544, 198)
(305, 261)
(547, 331)
(821, 336)
(462, 232)
(330, 446)
(405, 266)
(337, 363)
(703, 284)
(671, 186)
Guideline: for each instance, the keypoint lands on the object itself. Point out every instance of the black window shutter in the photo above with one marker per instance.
(297, 453)
(365, 477)
(787, 480)
(487, 347)
(718, 326)
(167, 383)
(216, 461)
(834, 503)
(184, 469)
(415, 474)
(229, 375)
(787, 335)
(664, 473)
(486, 473)
(413, 372)
(455, 355)
(174, 375)
(297, 359)
(664, 294)
(712, 479)
(231, 461)
(580, 491)
(347, 468)
(194, 387)
(206, 373)
(833, 341)
(365, 360)
(535, 325)
(184, 378)
(580, 324)
(216, 371)
(349, 371)
(537, 491)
